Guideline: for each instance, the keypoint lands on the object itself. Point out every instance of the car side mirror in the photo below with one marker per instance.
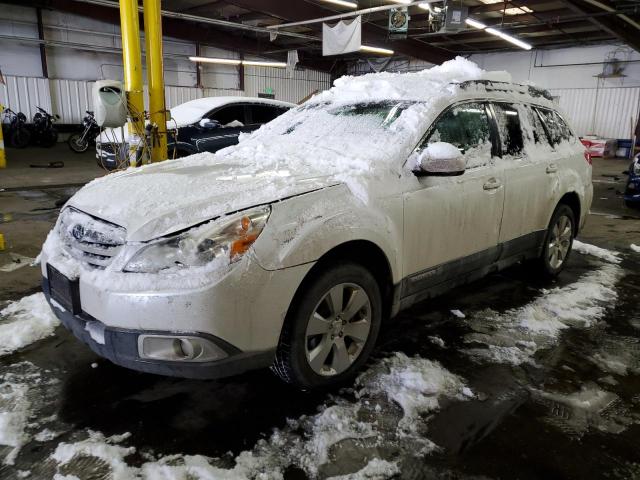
(439, 159)
(209, 124)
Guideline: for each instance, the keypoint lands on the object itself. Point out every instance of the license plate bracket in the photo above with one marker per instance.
(63, 290)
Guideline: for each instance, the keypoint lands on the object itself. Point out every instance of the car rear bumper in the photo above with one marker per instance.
(632, 192)
(121, 347)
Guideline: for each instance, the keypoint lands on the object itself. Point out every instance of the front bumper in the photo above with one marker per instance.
(120, 346)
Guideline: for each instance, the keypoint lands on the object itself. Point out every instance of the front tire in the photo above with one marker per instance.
(76, 144)
(558, 242)
(331, 328)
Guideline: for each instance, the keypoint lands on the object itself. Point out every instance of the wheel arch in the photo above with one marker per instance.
(572, 200)
(365, 253)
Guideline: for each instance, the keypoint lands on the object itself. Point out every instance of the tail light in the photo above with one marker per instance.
(587, 157)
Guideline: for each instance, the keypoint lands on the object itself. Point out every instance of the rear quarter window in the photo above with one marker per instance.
(556, 127)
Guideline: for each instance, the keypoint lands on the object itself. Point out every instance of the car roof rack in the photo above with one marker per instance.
(495, 86)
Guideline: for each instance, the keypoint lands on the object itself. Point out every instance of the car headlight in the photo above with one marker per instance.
(226, 239)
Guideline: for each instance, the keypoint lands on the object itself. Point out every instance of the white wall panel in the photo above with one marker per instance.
(611, 116)
(289, 87)
(23, 94)
(71, 99)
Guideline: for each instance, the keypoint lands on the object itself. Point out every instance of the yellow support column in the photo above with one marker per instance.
(155, 78)
(132, 60)
(3, 158)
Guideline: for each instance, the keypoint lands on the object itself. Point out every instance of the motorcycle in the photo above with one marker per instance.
(80, 142)
(43, 132)
(18, 134)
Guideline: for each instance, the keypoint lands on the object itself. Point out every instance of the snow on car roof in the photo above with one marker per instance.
(193, 110)
(415, 86)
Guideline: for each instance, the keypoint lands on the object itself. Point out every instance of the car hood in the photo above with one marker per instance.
(167, 197)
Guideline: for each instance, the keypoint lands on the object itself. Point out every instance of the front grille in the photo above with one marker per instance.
(90, 240)
(108, 148)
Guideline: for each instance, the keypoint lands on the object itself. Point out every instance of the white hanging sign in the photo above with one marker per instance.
(343, 37)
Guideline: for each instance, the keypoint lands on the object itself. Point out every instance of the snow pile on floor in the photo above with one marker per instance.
(514, 337)
(415, 384)
(25, 321)
(398, 390)
(610, 256)
(21, 391)
(635, 248)
(99, 446)
(376, 469)
(14, 414)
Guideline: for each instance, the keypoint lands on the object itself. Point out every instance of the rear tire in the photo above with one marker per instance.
(331, 328)
(557, 243)
(49, 139)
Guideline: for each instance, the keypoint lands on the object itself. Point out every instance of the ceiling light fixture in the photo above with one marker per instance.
(382, 51)
(256, 63)
(498, 33)
(230, 61)
(475, 23)
(223, 61)
(509, 38)
(342, 3)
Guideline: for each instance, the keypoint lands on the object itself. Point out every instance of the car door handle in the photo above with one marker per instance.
(492, 184)
(552, 168)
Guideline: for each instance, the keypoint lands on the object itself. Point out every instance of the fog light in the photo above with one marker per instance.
(178, 348)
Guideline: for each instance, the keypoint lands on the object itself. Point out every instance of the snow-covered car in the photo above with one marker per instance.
(632, 189)
(202, 125)
(288, 249)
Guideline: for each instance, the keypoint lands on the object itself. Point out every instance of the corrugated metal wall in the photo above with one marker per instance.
(71, 98)
(613, 115)
(287, 86)
(23, 94)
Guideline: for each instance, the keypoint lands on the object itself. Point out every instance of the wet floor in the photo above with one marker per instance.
(568, 411)
(510, 377)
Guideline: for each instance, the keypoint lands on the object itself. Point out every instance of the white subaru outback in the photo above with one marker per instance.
(289, 249)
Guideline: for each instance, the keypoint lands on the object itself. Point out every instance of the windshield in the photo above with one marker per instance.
(358, 131)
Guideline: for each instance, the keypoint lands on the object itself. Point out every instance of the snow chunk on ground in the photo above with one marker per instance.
(25, 321)
(376, 469)
(416, 384)
(14, 414)
(104, 448)
(602, 253)
(635, 248)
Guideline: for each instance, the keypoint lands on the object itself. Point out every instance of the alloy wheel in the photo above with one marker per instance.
(560, 242)
(338, 329)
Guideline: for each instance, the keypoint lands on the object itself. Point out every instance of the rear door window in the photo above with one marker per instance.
(556, 127)
(509, 128)
(230, 116)
(465, 126)
(537, 128)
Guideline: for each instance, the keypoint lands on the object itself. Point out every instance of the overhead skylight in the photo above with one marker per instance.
(511, 10)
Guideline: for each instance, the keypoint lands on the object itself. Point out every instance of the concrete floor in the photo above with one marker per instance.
(515, 427)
